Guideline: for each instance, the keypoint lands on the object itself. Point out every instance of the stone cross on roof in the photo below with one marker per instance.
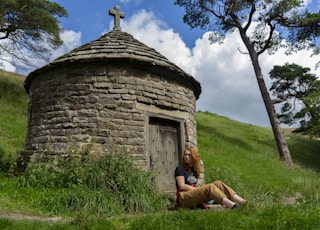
(117, 15)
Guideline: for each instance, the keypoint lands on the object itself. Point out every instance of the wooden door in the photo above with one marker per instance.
(164, 151)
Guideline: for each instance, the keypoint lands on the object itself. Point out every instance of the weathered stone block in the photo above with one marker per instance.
(112, 100)
(145, 100)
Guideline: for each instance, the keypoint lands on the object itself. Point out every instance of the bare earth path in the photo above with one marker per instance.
(19, 216)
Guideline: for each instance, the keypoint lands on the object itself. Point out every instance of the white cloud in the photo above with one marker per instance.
(137, 2)
(5, 64)
(229, 85)
(6, 59)
(306, 2)
(228, 82)
(71, 40)
(147, 28)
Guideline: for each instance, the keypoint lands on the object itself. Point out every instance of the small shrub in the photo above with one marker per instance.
(108, 184)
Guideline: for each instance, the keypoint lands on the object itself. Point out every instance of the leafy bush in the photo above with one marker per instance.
(107, 184)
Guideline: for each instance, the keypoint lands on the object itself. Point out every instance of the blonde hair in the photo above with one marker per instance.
(195, 160)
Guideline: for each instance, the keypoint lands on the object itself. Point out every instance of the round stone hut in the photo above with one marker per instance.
(114, 94)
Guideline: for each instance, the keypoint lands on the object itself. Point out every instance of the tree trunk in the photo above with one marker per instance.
(273, 117)
(275, 124)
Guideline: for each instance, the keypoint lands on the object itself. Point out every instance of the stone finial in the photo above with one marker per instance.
(117, 15)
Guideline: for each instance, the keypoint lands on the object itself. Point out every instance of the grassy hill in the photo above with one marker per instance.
(242, 155)
(13, 112)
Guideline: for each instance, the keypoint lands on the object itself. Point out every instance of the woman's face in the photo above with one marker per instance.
(187, 157)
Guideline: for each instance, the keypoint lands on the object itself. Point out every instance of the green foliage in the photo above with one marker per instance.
(307, 29)
(270, 21)
(107, 184)
(31, 28)
(293, 84)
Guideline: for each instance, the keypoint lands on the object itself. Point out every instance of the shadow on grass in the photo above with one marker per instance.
(305, 151)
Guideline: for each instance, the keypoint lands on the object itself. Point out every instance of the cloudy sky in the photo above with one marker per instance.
(229, 87)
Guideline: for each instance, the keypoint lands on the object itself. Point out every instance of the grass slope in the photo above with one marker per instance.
(13, 112)
(242, 155)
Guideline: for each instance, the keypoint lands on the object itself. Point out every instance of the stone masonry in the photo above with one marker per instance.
(101, 94)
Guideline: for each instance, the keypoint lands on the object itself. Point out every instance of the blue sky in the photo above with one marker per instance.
(229, 87)
(91, 17)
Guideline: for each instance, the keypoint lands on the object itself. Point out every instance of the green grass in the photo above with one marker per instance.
(13, 112)
(242, 155)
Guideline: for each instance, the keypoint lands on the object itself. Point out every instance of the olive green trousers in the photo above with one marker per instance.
(214, 191)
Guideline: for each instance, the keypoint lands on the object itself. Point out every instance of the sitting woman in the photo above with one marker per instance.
(191, 196)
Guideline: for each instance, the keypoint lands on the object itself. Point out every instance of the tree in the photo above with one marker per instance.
(313, 110)
(270, 21)
(307, 29)
(29, 29)
(299, 91)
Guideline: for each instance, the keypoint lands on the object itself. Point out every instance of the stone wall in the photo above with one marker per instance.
(104, 106)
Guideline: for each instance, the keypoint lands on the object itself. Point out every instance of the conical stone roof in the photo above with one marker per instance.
(118, 46)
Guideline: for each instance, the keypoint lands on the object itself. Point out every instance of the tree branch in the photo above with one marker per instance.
(269, 39)
(242, 52)
(220, 16)
(252, 11)
(278, 100)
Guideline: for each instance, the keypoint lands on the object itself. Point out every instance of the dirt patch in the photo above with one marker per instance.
(292, 200)
(20, 216)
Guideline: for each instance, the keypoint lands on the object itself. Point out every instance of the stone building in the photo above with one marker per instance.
(114, 94)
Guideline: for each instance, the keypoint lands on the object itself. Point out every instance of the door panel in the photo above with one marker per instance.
(164, 148)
